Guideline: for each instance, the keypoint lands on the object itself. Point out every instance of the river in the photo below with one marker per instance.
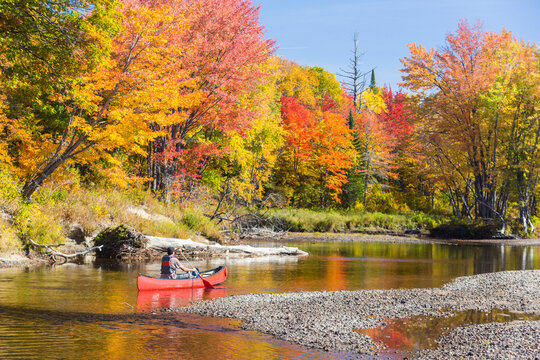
(93, 310)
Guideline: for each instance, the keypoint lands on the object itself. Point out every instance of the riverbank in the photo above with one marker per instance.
(334, 320)
(154, 249)
(389, 238)
(202, 248)
(81, 214)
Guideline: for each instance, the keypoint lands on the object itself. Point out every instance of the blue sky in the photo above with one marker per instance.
(320, 33)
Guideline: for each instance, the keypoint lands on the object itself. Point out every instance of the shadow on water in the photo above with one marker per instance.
(57, 317)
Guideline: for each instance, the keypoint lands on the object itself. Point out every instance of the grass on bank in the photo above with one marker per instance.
(50, 220)
(92, 210)
(439, 226)
(303, 220)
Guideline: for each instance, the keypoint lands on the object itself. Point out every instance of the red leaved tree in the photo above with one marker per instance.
(228, 44)
(397, 118)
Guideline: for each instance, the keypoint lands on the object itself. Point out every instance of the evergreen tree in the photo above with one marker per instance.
(372, 84)
(352, 126)
(353, 189)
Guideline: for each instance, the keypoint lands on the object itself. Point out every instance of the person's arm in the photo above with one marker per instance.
(187, 269)
(177, 265)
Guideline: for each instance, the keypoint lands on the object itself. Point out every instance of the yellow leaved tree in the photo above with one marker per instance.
(109, 104)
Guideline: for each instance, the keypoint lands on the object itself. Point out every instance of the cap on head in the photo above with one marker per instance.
(170, 250)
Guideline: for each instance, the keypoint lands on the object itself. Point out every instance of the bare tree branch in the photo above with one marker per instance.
(53, 253)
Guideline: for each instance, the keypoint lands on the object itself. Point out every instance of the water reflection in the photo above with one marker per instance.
(383, 265)
(106, 287)
(41, 334)
(421, 332)
(160, 299)
(41, 310)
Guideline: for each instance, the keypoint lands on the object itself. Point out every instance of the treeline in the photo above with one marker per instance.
(479, 125)
(185, 98)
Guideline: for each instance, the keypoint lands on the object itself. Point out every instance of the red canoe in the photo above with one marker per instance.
(213, 276)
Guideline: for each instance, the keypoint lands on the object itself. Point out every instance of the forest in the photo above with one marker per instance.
(183, 104)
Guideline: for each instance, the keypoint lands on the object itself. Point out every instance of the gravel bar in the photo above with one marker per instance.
(328, 319)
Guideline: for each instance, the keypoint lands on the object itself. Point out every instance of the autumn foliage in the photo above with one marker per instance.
(186, 98)
(318, 148)
(479, 122)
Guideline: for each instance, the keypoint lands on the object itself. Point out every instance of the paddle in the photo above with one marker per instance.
(206, 283)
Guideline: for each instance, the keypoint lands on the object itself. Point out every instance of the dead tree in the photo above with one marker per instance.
(354, 78)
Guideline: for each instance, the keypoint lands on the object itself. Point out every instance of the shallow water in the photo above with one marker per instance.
(90, 310)
(404, 336)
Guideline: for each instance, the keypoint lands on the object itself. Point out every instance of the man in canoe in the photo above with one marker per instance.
(169, 265)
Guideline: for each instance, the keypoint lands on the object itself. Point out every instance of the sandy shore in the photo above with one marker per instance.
(330, 320)
(11, 260)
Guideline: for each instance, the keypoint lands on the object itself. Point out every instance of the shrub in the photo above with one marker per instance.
(33, 223)
(425, 221)
(10, 198)
(381, 201)
(116, 239)
(8, 237)
(466, 230)
(192, 219)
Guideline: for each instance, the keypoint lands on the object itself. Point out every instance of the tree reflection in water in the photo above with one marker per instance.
(421, 332)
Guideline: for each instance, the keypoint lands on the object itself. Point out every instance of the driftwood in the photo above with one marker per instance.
(189, 246)
(249, 224)
(54, 253)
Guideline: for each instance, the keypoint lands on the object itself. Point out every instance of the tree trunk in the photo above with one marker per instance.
(35, 180)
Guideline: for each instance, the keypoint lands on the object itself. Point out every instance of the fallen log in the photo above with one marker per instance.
(53, 252)
(160, 243)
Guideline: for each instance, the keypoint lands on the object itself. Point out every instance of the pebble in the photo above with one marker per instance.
(328, 319)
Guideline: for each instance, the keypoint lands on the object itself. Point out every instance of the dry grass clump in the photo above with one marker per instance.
(95, 209)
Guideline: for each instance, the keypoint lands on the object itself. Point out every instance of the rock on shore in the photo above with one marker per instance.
(328, 320)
